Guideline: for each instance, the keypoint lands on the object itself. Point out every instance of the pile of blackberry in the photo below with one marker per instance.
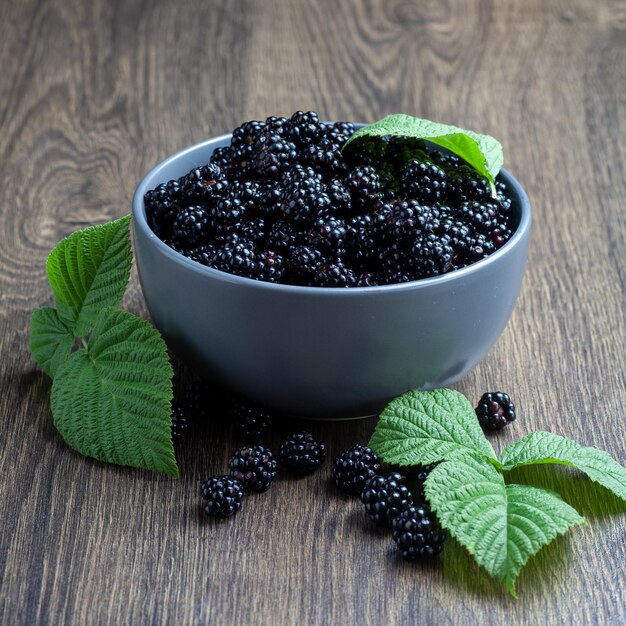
(283, 204)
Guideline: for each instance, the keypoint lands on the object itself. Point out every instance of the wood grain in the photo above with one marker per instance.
(93, 94)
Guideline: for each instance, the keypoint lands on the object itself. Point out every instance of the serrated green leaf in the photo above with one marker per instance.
(541, 448)
(111, 401)
(50, 341)
(502, 526)
(422, 427)
(482, 152)
(89, 270)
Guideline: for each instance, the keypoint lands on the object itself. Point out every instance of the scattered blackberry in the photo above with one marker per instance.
(180, 425)
(301, 453)
(191, 226)
(423, 181)
(334, 274)
(417, 533)
(416, 475)
(250, 421)
(384, 498)
(223, 494)
(354, 467)
(273, 155)
(495, 410)
(254, 467)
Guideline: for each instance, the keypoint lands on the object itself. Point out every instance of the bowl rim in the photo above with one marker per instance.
(140, 222)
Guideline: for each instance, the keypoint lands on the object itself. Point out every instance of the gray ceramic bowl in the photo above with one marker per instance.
(325, 352)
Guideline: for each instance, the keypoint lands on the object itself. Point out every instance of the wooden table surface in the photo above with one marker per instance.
(94, 93)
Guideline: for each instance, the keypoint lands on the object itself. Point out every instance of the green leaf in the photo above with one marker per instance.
(111, 401)
(421, 427)
(541, 447)
(89, 270)
(502, 526)
(51, 341)
(482, 152)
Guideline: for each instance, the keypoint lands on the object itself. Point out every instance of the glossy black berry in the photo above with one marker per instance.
(249, 420)
(191, 226)
(495, 410)
(301, 453)
(424, 181)
(223, 496)
(305, 128)
(354, 467)
(334, 274)
(254, 467)
(199, 184)
(417, 533)
(162, 205)
(236, 257)
(273, 155)
(384, 497)
(363, 181)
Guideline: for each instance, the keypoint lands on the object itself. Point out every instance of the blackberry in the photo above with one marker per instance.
(368, 279)
(298, 173)
(247, 192)
(325, 156)
(180, 425)
(162, 205)
(430, 255)
(203, 254)
(334, 274)
(273, 155)
(482, 246)
(385, 497)
(226, 215)
(276, 125)
(223, 494)
(302, 203)
(480, 216)
(328, 233)
(417, 533)
(458, 235)
(190, 226)
(199, 184)
(465, 184)
(301, 453)
(495, 410)
(305, 260)
(236, 257)
(223, 158)
(423, 181)
(354, 467)
(408, 219)
(340, 199)
(283, 235)
(271, 266)
(254, 467)
(363, 181)
(416, 475)
(271, 200)
(340, 132)
(249, 420)
(247, 134)
(254, 230)
(305, 128)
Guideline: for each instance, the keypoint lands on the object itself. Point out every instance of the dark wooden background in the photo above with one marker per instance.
(92, 94)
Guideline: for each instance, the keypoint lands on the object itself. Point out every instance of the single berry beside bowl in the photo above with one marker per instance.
(223, 495)
(495, 410)
(254, 467)
(301, 453)
(417, 533)
(384, 497)
(354, 467)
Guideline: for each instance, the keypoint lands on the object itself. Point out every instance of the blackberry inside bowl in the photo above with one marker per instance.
(312, 350)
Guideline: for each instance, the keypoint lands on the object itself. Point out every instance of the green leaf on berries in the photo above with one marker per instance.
(482, 152)
(111, 400)
(421, 427)
(501, 525)
(541, 447)
(51, 341)
(89, 270)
